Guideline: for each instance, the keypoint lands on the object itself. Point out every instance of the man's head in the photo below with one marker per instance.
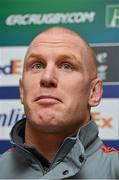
(59, 83)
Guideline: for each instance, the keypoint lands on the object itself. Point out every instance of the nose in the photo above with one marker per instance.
(48, 78)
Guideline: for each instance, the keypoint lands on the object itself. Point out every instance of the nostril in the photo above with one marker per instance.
(53, 84)
(48, 83)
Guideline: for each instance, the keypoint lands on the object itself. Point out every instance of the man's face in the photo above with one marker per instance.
(55, 88)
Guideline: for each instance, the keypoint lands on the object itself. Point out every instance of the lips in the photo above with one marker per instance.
(47, 99)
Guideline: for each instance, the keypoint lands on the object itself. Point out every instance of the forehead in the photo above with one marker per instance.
(55, 40)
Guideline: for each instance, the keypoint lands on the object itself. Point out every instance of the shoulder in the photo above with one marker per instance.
(8, 150)
(7, 163)
(5, 155)
(107, 149)
(110, 155)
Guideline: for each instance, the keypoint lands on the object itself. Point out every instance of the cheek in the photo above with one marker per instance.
(29, 87)
(73, 87)
(76, 91)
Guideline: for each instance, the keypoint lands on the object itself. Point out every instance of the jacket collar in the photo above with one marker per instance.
(81, 143)
(87, 133)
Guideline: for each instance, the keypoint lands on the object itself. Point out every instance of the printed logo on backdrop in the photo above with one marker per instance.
(108, 62)
(11, 65)
(102, 121)
(11, 111)
(112, 16)
(14, 66)
(106, 117)
(50, 18)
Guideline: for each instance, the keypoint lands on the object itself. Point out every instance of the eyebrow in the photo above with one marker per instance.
(34, 55)
(63, 57)
(71, 58)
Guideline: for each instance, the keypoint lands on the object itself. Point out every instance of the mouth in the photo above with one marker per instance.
(47, 100)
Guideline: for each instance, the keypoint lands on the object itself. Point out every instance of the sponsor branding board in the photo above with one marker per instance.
(10, 112)
(108, 62)
(94, 21)
(106, 115)
(11, 62)
(112, 16)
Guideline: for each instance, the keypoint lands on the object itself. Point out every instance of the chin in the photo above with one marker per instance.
(47, 125)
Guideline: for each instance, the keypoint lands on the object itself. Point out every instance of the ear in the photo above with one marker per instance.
(21, 90)
(95, 92)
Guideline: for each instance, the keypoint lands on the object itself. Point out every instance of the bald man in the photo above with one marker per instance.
(58, 139)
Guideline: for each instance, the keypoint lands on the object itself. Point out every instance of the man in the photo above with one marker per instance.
(58, 139)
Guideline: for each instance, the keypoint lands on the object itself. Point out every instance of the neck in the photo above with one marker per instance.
(47, 144)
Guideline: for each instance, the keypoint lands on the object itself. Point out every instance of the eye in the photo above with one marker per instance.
(66, 66)
(38, 66)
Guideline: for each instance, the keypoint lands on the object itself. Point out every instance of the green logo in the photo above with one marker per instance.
(112, 16)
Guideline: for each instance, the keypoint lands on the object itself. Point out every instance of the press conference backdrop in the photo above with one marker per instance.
(96, 20)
